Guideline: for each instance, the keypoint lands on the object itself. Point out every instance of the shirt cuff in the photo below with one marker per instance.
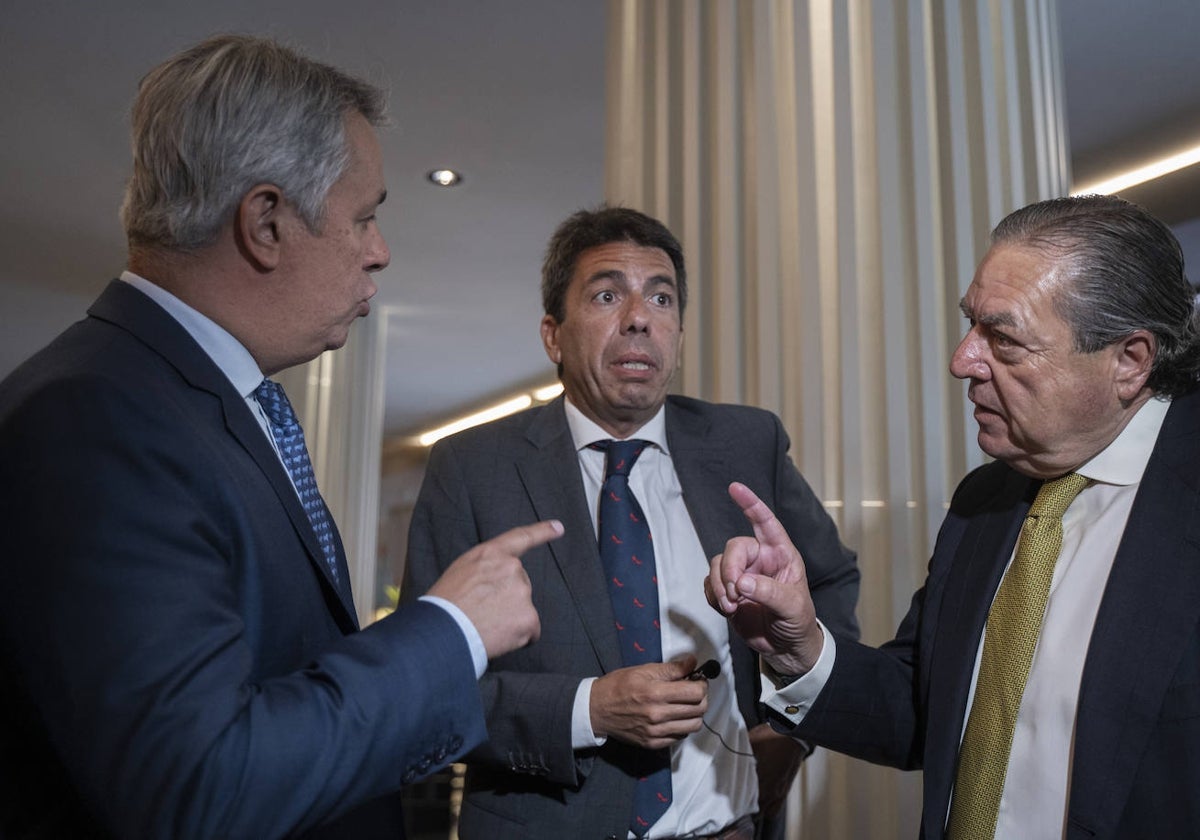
(474, 640)
(582, 736)
(792, 700)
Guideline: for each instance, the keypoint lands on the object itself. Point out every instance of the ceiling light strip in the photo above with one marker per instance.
(494, 413)
(548, 393)
(497, 411)
(1142, 174)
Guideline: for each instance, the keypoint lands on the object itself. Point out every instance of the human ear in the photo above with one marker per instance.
(1134, 358)
(550, 339)
(256, 226)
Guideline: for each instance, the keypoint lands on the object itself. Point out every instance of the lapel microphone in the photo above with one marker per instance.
(707, 671)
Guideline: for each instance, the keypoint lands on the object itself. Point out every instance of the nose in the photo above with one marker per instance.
(969, 361)
(636, 316)
(377, 254)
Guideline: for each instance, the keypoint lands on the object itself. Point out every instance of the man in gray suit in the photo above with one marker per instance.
(569, 718)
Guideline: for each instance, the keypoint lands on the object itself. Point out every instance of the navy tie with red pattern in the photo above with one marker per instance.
(627, 553)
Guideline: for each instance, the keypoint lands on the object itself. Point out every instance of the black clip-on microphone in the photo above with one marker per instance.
(707, 671)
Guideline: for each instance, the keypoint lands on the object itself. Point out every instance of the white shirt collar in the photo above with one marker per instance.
(584, 432)
(227, 352)
(1124, 460)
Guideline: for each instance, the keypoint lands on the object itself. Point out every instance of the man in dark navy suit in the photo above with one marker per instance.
(1079, 717)
(179, 649)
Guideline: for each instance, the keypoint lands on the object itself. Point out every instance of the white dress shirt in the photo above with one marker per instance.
(713, 779)
(1037, 784)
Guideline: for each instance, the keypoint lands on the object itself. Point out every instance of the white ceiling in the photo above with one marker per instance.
(510, 92)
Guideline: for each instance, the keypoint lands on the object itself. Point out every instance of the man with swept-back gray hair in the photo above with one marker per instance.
(197, 146)
(177, 633)
(1047, 676)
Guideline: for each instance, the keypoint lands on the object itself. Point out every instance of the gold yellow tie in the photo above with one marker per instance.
(1012, 633)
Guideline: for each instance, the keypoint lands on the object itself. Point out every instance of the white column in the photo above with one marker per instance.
(833, 168)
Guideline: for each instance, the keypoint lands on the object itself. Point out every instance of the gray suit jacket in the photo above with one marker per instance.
(527, 781)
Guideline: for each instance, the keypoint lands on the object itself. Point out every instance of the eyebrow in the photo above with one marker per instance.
(997, 319)
(382, 198)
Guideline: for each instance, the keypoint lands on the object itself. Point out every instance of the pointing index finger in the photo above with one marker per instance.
(767, 529)
(522, 538)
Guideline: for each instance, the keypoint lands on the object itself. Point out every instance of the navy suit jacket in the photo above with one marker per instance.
(177, 661)
(1135, 772)
(527, 781)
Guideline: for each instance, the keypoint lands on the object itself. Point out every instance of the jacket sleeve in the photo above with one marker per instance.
(875, 704)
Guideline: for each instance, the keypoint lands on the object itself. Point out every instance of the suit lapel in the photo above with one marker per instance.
(1147, 616)
(128, 308)
(972, 577)
(704, 474)
(551, 478)
(705, 467)
(243, 426)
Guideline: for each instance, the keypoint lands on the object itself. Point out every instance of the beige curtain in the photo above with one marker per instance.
(833, 168)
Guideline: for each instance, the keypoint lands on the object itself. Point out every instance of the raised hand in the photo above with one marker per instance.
(759, 582)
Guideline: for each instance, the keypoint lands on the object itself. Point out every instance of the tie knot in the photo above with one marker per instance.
(1054, 497)
(275, 403)
(620, 455)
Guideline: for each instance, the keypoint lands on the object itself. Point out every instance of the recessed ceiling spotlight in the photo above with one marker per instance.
(445, 177)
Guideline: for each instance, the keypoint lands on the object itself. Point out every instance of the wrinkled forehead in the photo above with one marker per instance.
(1014, 282)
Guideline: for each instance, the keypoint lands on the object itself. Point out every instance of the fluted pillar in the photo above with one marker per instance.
(833, 168)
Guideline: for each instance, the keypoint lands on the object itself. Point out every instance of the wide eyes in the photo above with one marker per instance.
(607, 296)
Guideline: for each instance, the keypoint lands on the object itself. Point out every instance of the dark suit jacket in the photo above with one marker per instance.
(1136, 764)
(527, 781)
(176, 660)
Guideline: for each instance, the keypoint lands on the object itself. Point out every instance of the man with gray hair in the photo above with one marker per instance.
(1047, 676)
(177, 634)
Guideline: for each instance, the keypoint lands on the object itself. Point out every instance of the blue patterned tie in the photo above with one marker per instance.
(627, 553)
(289, 437)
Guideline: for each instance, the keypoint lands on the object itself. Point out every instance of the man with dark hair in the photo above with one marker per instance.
(177, 634)
(1047, 676)
(604, 727)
